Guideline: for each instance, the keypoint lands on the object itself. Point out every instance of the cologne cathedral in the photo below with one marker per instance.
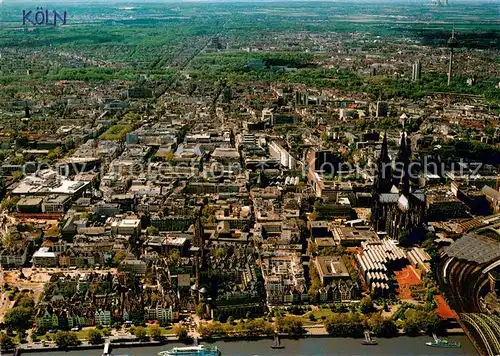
(398, 209)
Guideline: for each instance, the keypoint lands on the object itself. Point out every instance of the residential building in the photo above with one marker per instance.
(102, 317)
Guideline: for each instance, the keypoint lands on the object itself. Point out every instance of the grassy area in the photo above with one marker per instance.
(164, 331)
(83, 333)
(318, 314)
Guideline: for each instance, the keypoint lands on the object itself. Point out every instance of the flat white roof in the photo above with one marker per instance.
(34, 185)
(44, 252)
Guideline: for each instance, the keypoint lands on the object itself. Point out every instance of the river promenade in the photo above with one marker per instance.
(316, 332)
(309, 345)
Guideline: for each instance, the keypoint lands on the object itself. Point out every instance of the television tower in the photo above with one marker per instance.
(452, 43)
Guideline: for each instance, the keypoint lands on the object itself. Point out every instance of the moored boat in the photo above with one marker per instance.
(442, 343)
(277, 343)
(201, 350)
(368, 339)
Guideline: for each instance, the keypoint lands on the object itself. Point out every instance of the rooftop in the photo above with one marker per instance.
(331, 266)
(474, 248)
(48, 184)
(44, 252)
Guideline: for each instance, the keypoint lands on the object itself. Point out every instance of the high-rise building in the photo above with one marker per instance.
(382, 109)
(416, 71)
(452, 43)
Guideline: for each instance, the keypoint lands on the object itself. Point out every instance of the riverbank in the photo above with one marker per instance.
(316, 331)
(308, 346)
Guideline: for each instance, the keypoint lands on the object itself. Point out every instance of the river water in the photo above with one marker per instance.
(308, 347)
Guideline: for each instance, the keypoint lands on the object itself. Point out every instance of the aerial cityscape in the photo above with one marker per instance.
(250, 177)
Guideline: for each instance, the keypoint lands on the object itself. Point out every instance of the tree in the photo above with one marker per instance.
(313, 216)
(174, 257)
(315, 281)
(54, 231)
(255, 327)
(137, 317)
(417, 320)
(17, 175)
(25, 300)
(155, 332)
(366, 305)
(34, 337)
(201, 310)
(152, 231)
(405, 239)
(169, 156)
(141, 334)
(95, 337)
(6, 342)
(119, 256)
(18, 160)
(430, 322)
(19, 318)
(64, 339)
(411, 327)
(211, 329)
(219, 253)
(180, 331)
(344, 325)
(290, 325)
(382, 327)
(9, 204)
(324, 137)
(21, 335)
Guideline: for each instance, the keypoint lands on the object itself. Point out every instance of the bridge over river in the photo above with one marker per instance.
(487, 327)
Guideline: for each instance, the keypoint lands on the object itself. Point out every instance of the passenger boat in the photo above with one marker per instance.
(201, 350)
(442, 343)
(368, 339)
(277, 343)
(106, 352)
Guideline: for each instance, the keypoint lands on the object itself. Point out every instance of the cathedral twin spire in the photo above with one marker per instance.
(403, 161)
(383, 180)
(387, 177)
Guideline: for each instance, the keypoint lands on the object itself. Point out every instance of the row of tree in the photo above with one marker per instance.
(413, 321)
(255, 327)
(354, 324)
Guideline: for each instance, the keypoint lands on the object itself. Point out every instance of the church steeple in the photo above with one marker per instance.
(405, 180)
(403, 161)
(383, 180)
(384, 153)
(198, 233)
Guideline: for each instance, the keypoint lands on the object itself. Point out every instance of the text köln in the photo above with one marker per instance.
(42, 17)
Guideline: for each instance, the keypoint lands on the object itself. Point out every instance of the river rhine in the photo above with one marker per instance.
(307, 346)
